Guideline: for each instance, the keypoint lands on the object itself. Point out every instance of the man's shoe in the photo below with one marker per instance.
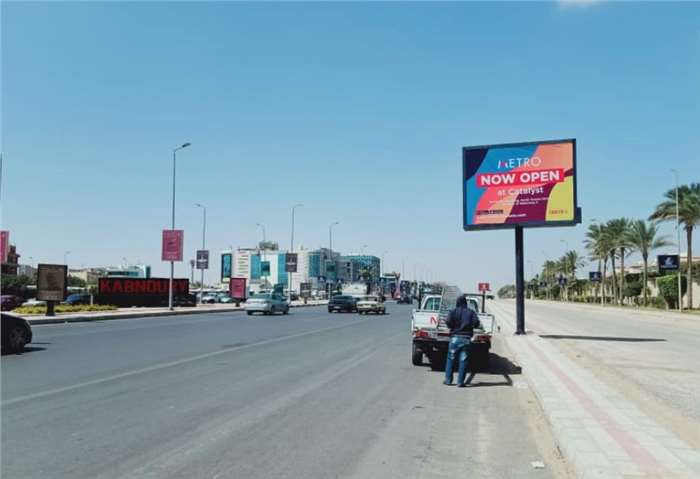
(463, 385)
(446, 383)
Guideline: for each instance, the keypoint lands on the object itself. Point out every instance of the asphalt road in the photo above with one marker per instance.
(309, 395)
(652, 359)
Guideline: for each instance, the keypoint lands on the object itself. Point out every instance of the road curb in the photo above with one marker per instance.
(82, 318)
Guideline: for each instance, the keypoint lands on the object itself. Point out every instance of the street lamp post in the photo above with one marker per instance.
(678, 233)
(330, 247)
(204, 236)
(291, 250)
(263, 231)
(172, 226)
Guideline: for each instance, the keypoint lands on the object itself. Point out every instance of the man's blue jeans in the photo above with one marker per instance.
(459, 348)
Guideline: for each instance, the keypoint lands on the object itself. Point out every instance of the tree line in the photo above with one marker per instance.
(612, 242)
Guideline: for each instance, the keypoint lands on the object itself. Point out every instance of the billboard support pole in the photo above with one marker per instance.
(519, 281)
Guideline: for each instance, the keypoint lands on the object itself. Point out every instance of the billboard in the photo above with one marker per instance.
(202, 259)
(484, 287)
(51, 282)
(4, 245)
(172, 245)
(142, 291)
(595, 276)
(226, 266)
(668, 262)
(290, 263)
(305, 290)
(519, 184)
(237, 288)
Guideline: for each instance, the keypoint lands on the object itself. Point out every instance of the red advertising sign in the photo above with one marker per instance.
(172, 245)
(484, 287)
(129, 286)
(4, 245)
(237, 288)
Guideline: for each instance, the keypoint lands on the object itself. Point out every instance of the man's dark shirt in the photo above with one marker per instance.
(462, 320)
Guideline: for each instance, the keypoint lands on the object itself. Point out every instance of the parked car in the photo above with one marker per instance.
(8, 302)
(371, 304)
(224, 298)
(342, 303)
(266, 303)
(77, 298)
(34, 302)
(209, 298)
(16, 333)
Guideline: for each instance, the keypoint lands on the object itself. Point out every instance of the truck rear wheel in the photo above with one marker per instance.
(417, 356)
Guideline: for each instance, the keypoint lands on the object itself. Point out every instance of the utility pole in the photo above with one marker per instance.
(172, 226)
(291, 250)
(678, 234)
(204, 235)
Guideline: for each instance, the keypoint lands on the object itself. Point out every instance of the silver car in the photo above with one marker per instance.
(266, 303)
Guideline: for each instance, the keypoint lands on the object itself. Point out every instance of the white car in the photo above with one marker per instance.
(370, 304)
(34, 302)
(267, 304)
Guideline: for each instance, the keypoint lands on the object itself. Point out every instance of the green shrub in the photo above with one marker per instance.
(632, 289)
(65, 308)
(668, 288)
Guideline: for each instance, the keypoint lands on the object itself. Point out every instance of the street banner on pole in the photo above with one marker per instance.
(202, 259)
(668, 262)
(4, 245)
(237, 288)
(305, 290)
(226, 267)
(172, 245)
(51, 282)
(595, 276)
(484, 287)
(290, 263)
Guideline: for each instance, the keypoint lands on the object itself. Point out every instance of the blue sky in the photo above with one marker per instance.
(358, 111)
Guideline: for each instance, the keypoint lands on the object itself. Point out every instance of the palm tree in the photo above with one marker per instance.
(598, 246)
(618, 237)
(643, 238)
(688, 214)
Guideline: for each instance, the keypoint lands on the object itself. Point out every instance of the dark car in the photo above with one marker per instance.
(10, 302)
(342, 303)
(405, 299)
(77, 298)
(16, 333)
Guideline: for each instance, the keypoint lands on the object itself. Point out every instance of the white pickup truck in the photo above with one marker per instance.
(431, 336)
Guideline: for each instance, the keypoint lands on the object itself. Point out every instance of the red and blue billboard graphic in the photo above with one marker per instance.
(520, 184)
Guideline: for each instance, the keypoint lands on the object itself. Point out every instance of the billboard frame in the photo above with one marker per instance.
(527, 224)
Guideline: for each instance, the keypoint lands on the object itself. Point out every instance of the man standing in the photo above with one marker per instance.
(462, 321)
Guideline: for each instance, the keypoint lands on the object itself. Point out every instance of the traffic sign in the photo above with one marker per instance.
(202, 259)
(290, 263)
(484, 287)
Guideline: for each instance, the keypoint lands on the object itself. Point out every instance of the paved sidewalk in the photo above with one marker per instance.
(131, 313)
(602, 433)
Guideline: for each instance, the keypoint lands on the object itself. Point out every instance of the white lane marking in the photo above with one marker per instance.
(170, 364)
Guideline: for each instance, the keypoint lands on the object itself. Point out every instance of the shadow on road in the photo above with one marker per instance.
(601, 338)
(27, 349)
